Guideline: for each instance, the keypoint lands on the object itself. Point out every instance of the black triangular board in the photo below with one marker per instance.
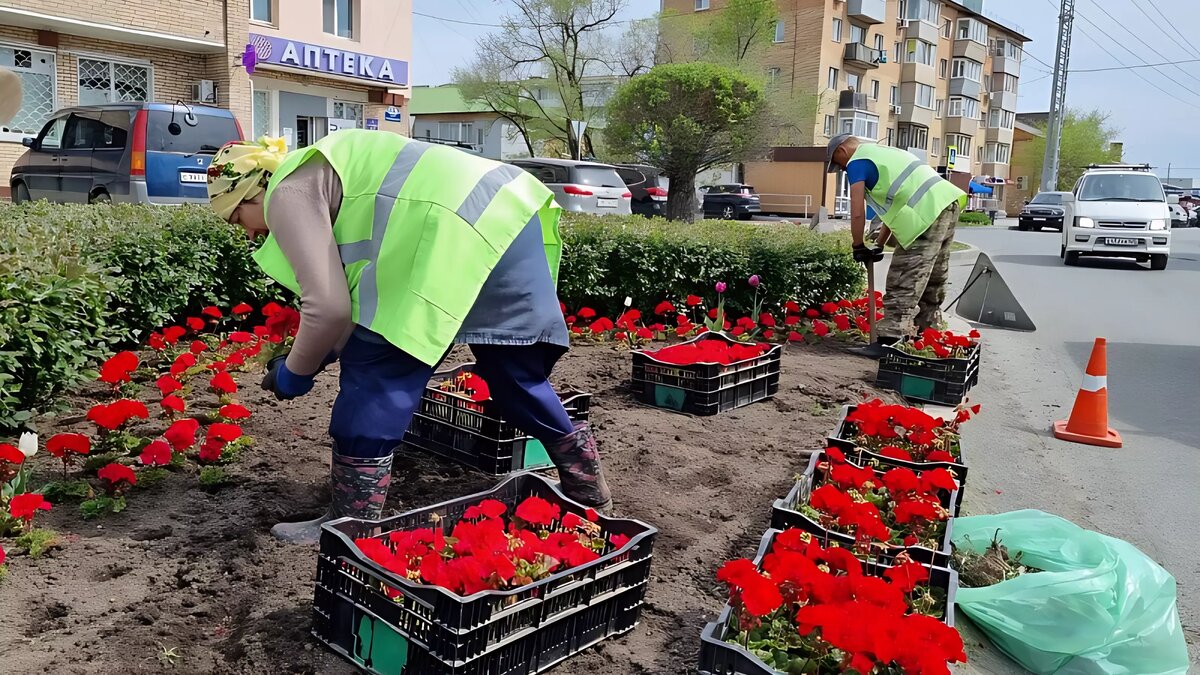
(990, 301)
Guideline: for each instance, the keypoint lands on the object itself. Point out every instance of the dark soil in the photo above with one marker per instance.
(190, 581)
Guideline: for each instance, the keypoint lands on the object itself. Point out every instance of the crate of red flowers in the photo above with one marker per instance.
(458, 420)
(707, 375)
(505, 582)
(877, 513)
(879, 435)
(787, 613)
(940, 367)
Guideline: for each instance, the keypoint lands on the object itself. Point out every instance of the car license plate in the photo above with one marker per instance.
(606, 203)
(1038, 220)
(192, 177)
(1114, 241)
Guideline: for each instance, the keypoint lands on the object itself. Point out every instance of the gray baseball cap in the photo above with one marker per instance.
(834, 144)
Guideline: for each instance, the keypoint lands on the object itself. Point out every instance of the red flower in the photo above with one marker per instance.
(157, 453)
(848, 476)
(645, 334)
(976, 408)
(114, 474)
(212, 311)
(197, 347)
(768, 334)
(241, 309)
(168, 385)
(570, 521)
(60, 444)
(974, 335)
(940, 456)
(2, 555)
(25, 505)
(664, 308)
(10, 455)
(171, 334)
(835, 455)
(182, 363)
(223, 383)
(694, 300)
(283, 324)
(114, 415)
(842, 322)
(619, 541)
(820, 328)
(767, 320)
(117, 369)
(270, 309)
(893, 452)
(210, 451)
(900, 482)
(195, 323)
(601, 325)
(476, 387)
(791, 320)
(938, 479)
(737, 332)
(812, 313)
(156, 342)
(828, 499)
(586, 313)
(173, 403)
(907, 576)
(829, 308)
(591, 515)
(791, 307)
(240, 337)
(234, 411)
(224, 432)
(488, 508)
(845, 304)
(537, 511)
(760, 596)
(182, 434)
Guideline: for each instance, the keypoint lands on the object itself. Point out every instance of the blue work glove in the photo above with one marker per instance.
(282, 382)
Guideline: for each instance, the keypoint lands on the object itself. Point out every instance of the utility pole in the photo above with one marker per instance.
(1058, 96)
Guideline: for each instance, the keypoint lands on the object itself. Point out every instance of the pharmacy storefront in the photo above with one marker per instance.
(304, 91)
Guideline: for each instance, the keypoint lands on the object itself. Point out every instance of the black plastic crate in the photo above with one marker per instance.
(718, 657)
(475, 434)
(843, 432)
(938, 381)
(428, 630)
(784, 516)
(706, 388)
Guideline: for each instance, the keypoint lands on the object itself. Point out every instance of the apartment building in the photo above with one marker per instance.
(938, 78)
(296, 68)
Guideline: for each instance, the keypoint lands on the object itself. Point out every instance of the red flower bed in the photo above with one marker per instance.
(910, 434)
(708, 351)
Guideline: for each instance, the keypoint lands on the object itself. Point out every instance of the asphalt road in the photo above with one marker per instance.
(1146, 492)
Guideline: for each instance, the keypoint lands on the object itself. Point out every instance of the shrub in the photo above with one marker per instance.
(974, 218)
(608, 258)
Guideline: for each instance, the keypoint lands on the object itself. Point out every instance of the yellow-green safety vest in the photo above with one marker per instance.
(420, 228)
(909, 195)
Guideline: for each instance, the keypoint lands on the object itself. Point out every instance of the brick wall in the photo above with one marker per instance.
(186, 18)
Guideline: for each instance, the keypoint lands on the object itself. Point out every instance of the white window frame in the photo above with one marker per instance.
(112, 63)
(836, 29)
(833, 78)
(943, 68)
(853, 81)
(272, 108)
(1008, 83)
(923, 97)
(920, 51)
(936, 150)
(962, 142)
(862, 124)
(17, 137)
(830, 125)
(926, 11)
(897, 53)
(780, 31)
(947, 28)
(701, 5)
(459, 134)
(879, 43)
(272, 10)
(997, 153)
(967, 68)
(355, 19)
(875, 89)
(894, 98)
(939, 107)
(862, 34)
(971, 29)
(912, 136)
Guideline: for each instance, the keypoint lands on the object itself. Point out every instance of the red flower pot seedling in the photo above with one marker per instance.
(67, 448)
(181, 435)
(112, 416)
(907, 433)
(172, 405)
(24, 507)
(118, 369)
(11, 459)
(156, 454)
(117, 479)
(241, 310)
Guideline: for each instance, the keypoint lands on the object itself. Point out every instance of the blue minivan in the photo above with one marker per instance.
(148, 153)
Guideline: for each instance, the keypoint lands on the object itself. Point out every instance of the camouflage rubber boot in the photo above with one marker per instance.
(359, 488)
(579, 472)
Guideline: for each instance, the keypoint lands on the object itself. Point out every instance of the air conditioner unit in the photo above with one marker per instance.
(204, 91)
(896, 110)
(902, 22)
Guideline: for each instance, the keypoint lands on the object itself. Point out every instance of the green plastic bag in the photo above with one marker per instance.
(1100, 607)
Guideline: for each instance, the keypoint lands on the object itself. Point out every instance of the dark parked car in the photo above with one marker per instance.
(150, 153)
(728, 202)
(649, 186)
(1044, 210)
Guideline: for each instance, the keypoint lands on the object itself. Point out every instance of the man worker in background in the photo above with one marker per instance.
(920, 209)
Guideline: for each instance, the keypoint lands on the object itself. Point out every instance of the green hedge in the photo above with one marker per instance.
(609, 258)
(78, 281)
(974, 218)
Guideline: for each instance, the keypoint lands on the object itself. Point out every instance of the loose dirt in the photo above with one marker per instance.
(188, 580)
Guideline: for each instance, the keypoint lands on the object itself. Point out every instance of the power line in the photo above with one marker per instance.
(1170, 37)
(1167, 21)
(1148, 65)
(1146, 44)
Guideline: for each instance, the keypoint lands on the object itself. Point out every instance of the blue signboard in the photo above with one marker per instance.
(328, 60)
(373, 123)
(392, 114)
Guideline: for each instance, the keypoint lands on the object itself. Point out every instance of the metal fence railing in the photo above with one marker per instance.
(786, 203)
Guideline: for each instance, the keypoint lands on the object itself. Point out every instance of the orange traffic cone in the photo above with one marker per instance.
(1089, 418)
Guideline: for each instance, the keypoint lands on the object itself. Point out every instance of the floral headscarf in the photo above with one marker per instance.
(240, 171)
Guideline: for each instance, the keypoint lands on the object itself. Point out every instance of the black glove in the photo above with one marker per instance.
(867, 256)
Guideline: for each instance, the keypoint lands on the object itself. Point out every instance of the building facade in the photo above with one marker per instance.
(318, 64)
(938, 78)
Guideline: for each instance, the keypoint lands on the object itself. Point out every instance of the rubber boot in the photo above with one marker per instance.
(359, 487)
(579, 472)
(876, 350)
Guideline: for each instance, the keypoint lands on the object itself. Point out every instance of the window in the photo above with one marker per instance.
(780, 30)
(1127, 187)
(1007, 83)
(925, 96)
(939, 106)
(947, 32)
(262, 114)
(339, 17)
(891, 136)
(701, 5)
(919, 51)
(1001, 119)
(875, 89)
(997, 153)
(773, 75)
(913, 136)
(937, 147)
(37, 72)
(837, 29)
(829, 125)
(895, 96)
(879, 43)
(52, 135)
(853, 81)
(260, 10)
(456, 132)
(943, 66)
(896, 54)
(111, 82)
(929, 11)
(961, 143)
(861, 124)
(956, 106)
(987, 82)
(349, 111)
(970, 29)
(963, 107)
(833, 78)
(858, 34)
(1007, 49)
(971, 70)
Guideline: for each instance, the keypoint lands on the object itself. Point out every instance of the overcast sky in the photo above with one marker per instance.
(1158, 124)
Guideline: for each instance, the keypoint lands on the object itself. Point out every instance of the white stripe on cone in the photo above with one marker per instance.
(1094, 383)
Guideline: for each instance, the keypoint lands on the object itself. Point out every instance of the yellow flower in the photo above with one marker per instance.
(270, 161)
(276, 145)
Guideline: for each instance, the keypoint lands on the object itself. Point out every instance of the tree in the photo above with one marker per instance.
(685, 118)
(532, 71)
(1087, 139)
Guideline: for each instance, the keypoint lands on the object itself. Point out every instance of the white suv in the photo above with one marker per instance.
(1117, 211)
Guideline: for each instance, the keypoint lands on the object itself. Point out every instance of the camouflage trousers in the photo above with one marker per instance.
(916, 281)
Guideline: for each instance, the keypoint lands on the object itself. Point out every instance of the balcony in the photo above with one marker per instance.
(1003, 99)
(919, 30)
(999, 135)
(858, 55)
(867, 11)
(911, 114)
(995, 170)
(970, 49)
(855, 100)
(918, 72)
(961, 86)
(967, 126)
(1002, 63)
